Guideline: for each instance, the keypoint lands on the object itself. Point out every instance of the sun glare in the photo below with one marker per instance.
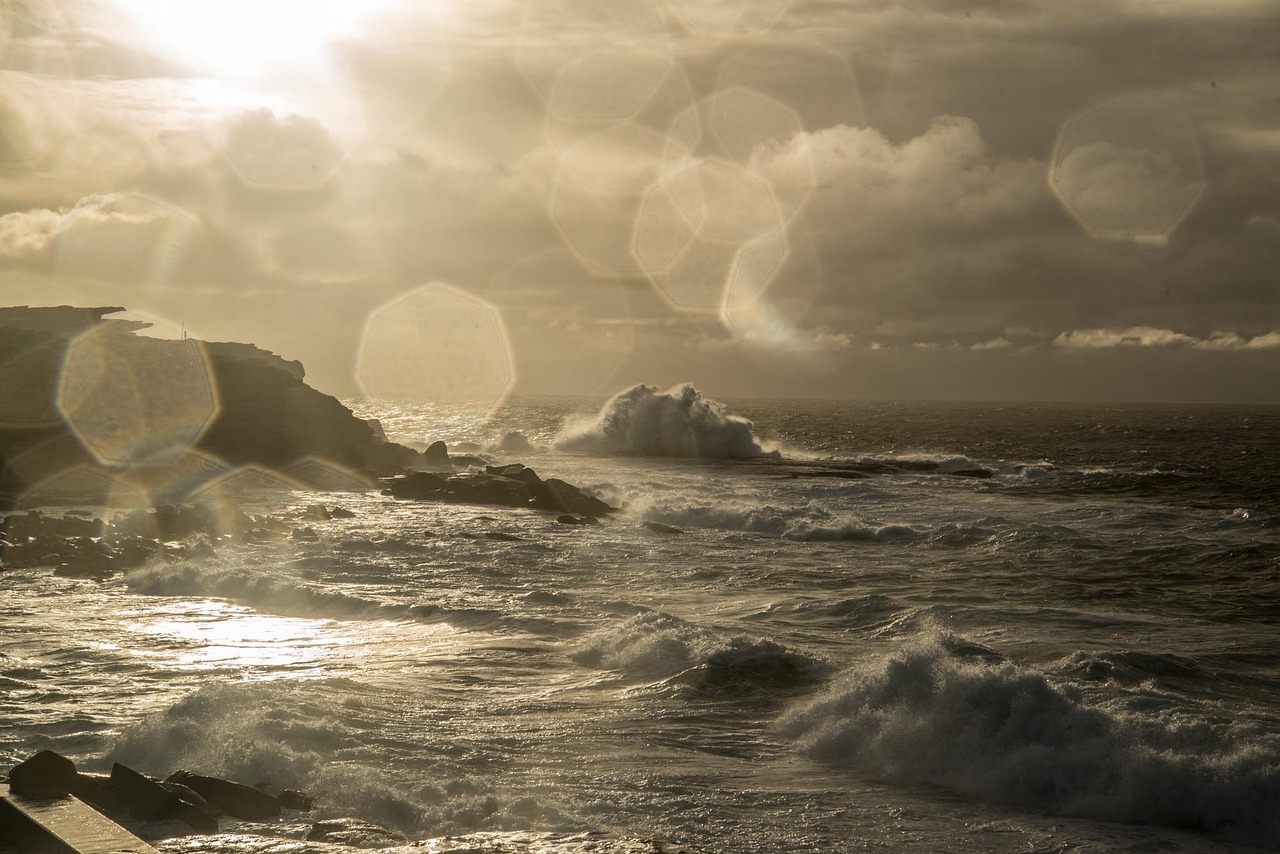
(246, 38)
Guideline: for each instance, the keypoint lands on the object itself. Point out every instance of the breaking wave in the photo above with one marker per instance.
(656, 645)
(995, 731)
(679, 422)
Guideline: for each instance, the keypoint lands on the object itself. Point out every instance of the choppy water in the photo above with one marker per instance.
(1079, 653)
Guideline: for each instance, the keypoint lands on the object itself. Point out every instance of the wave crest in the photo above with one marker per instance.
(998, 732)
(679, 422)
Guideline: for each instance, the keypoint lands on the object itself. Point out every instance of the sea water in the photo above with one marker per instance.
(897, 627)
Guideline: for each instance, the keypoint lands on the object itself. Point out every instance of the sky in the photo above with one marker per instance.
(925, 199)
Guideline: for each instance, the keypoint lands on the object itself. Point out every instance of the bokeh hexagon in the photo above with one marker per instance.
(436, 342)
(1128, 169)
(598, 191)
(729, 17)
(134, 400)
(554, 32)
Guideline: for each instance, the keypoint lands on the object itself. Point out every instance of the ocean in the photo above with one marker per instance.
(891, 627)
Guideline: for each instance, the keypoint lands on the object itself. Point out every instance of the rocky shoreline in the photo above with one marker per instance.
(164, 437)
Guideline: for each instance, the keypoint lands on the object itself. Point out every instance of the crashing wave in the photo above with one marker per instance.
(995, 731)
(679, 422)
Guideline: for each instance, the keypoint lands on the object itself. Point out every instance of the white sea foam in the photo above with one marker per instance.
(808, 522)
(1003, 733)
(646, 421)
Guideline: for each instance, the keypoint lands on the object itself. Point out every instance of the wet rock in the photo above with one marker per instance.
(143, 798)
(467, 461)
(502, 537)
(556, 494)
(82, 559)
(44, 770)
(417, 485)
(659, 528)
(515, 471)
(292, 799)
(341, 513)
(316, 513)
(306, 535)
(355, 832)
(979, 473)
(233, 799)
(436, 454)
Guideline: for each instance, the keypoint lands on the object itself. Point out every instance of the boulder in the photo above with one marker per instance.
(355, 832)
(143, 798)
(659, 528)
(487, 489)
(44, 770)
(233, 799)
(515, 471)
(556, 494)
(436, 454)
(292, 799)
(341, 513)
(417, 486)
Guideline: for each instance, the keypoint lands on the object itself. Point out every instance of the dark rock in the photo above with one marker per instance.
(437, 453)
(488, 489)
(341, 513)
(355, 832)
(376, 429)
(82, 559)
(568, 519)
(292, 799)
(500, 536)
(96, 791)
(44, 770)
(515, 471)
(555, 494)
(659, 528)
(979, 473)
(417, 485)
(466, 461)
(192, 810)
(308, 535)
(234, 799)
(143, 798)
(316, 513)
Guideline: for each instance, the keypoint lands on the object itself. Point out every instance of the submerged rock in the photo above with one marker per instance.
(234, 799)
(355, 832)
(659, 528)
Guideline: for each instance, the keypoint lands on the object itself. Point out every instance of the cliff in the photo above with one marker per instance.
(81, 392)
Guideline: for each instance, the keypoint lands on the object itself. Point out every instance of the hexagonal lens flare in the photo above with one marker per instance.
(1129, 169)
(436, 342)
(132, 400)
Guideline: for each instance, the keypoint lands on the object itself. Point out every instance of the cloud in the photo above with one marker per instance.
(1148, 336)
(27, 236)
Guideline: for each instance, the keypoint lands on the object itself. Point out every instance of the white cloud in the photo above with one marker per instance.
(1149, 336)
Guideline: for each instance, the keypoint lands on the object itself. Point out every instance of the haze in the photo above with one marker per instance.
(962, 200)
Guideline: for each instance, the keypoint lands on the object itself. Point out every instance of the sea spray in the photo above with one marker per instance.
(679, 422)
(995, 731)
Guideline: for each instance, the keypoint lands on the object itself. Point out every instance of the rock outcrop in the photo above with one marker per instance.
(83, 392)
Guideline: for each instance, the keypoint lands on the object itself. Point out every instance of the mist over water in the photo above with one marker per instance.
(922, 627)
